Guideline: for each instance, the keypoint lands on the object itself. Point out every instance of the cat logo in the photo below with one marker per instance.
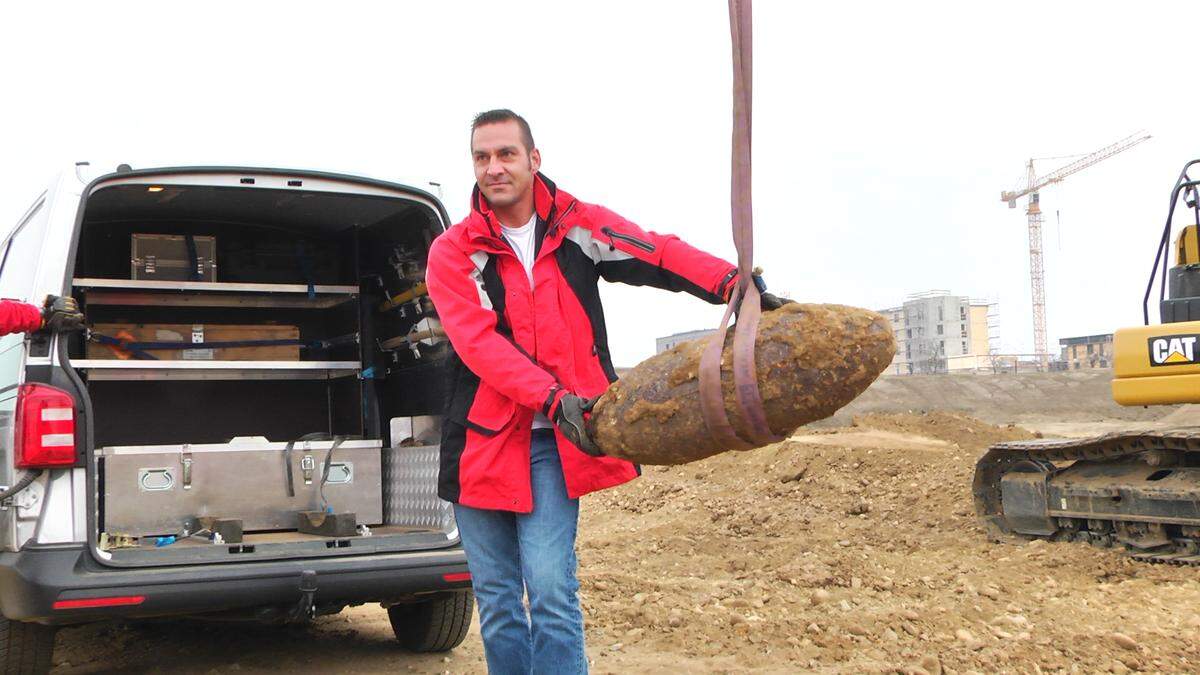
(1173, 350)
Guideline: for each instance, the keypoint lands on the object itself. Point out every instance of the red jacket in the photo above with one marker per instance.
(518, 351)
(19, 317)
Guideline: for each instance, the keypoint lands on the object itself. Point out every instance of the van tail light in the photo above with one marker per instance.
(44, 433)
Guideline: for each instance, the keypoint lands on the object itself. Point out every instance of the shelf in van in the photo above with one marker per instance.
(117, 369)
(150, 292)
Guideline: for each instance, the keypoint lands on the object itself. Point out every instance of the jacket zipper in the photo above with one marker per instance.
(554, 225)
(628, 239)
(565, 213)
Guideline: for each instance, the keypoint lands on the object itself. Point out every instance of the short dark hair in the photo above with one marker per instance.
(504, 115)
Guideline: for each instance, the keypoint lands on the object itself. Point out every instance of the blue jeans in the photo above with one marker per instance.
(510, 554)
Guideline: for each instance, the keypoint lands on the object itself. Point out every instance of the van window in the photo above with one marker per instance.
(22, 253)
(12, 358)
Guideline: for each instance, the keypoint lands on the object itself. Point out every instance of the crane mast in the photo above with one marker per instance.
(1037, 271)
(1033, 213)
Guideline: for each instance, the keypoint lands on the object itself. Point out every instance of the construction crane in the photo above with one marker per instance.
(1034, 183)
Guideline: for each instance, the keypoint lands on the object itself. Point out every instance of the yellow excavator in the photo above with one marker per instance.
(1139, 490)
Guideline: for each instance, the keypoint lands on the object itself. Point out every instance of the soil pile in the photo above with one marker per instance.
(962, 430)
(856, 550)
(1068, 396)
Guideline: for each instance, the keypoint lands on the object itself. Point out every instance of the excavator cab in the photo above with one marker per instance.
(1134, 489)
(1160, 364)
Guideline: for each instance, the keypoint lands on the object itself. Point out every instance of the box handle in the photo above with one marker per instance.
(155, 479)
(339, 472)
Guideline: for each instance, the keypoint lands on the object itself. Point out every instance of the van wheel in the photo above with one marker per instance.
(436, 625)
(25, 648)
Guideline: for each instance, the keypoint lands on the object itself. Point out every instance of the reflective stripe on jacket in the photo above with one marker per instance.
(517, 349)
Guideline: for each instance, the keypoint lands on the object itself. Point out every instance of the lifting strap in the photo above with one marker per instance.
(140, 350)
(193, 259)
(337, 441)
(287, 463)
(744, 299)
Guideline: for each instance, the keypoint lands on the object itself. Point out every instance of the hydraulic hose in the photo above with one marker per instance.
(26, 479)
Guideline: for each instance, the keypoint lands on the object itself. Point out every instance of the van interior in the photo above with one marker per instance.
(265, 372)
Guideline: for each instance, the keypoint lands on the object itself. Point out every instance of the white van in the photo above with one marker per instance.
(249, 426)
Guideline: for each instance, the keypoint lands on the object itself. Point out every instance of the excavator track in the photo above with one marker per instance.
(1139, 490)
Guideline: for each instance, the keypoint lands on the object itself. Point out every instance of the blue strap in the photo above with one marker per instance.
(127, 346)
(139, 349)
(306, 268)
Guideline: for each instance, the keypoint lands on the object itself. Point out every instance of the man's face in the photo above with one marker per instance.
(504, 170)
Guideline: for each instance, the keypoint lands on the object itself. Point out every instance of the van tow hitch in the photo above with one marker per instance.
(306, 608)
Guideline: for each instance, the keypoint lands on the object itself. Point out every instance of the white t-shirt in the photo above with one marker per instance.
(523, 242)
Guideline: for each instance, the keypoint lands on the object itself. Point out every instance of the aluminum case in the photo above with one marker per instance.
(160, 489)
(166, 257)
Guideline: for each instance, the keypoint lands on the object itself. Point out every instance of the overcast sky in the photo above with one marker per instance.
(884, 132)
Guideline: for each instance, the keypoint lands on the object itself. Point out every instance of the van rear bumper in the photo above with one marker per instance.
(34, 579)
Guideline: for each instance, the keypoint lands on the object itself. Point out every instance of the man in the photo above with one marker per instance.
(515, 286)
(57, 314)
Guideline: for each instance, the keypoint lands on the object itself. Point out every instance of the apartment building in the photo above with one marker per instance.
(937, 332)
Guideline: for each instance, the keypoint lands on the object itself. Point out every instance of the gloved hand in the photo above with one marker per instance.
(60, 314)
(767, 301)
(569, 417)
(770, 301)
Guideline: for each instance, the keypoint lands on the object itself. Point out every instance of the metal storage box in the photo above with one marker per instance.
(410, 495)
(172, 257)
(158, 489)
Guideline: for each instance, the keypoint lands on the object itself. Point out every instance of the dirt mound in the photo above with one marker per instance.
(962, 430)
(832, 552)
(1183, 416)
(1070, 396)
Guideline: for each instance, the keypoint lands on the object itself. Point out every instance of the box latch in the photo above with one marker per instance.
(185, 459)
(307, 464)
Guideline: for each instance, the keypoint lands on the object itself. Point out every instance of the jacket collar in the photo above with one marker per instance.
(548, 201)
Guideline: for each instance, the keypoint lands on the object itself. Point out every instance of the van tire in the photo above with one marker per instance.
(435, 625)
(25, 648)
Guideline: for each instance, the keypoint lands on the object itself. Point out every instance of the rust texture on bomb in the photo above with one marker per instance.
(811, 360)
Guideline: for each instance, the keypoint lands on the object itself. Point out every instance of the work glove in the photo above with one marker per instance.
(570, 418)
(770, 301)
(767, 301)
(60, 314)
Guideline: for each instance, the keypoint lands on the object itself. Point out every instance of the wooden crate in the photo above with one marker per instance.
(171, 332)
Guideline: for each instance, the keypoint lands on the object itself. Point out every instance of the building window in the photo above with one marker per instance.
(964, 345)
(909, 331)
(1090, 349)
(939, 328)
